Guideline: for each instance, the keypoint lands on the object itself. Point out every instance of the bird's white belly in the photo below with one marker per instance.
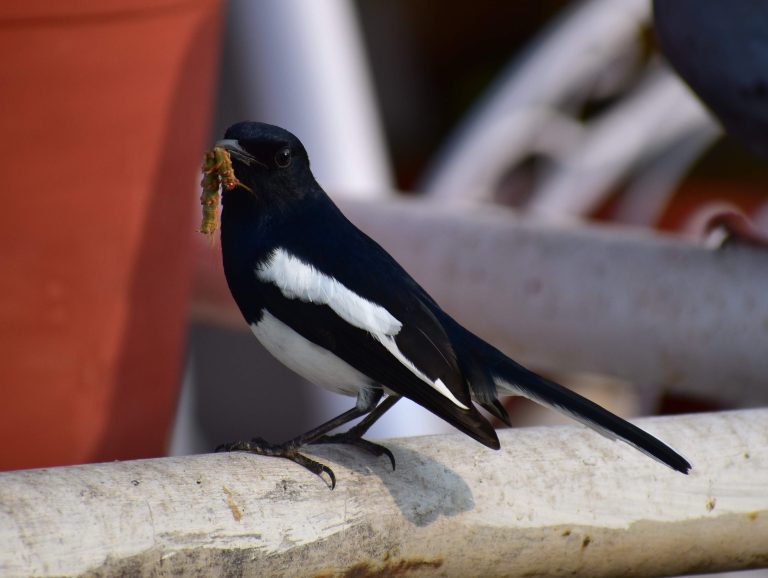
(312, 362)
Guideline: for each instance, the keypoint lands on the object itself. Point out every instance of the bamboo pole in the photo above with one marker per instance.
(555, 501)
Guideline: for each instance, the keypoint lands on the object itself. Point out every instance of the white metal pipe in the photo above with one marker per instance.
(659, 113)
(574, 50)
(651, 309)
(302, 65)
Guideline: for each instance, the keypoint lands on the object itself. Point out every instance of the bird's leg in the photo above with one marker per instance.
(354, 435)
(289, 450)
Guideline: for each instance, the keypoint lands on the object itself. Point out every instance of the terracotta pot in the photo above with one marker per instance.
(105, 111)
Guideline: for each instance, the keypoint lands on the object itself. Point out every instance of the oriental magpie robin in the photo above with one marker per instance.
(333, 306)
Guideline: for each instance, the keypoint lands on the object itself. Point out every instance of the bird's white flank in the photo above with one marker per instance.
(299, 280)
(310, 361)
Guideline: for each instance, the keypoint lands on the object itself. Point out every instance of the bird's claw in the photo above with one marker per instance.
(287, 451)
(351, 439)
(315, 467)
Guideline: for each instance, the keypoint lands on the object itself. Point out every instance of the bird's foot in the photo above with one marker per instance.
(354, 439)
(289, 451)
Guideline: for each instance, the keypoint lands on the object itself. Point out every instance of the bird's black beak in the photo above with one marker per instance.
(238, 152)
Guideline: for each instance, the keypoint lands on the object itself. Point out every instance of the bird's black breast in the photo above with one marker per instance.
(247, 240)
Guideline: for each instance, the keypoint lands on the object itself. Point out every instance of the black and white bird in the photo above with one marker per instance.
(336, 308)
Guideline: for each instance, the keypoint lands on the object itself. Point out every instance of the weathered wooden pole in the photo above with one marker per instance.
(555, 501)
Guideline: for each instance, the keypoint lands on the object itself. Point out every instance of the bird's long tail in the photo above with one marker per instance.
(512, 378)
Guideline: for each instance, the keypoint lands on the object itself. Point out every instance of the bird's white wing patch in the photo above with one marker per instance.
(299, 280)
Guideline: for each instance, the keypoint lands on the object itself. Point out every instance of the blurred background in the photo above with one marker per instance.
(538, 167)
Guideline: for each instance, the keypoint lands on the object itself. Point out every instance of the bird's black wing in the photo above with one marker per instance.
(413, 358)
(321, 325)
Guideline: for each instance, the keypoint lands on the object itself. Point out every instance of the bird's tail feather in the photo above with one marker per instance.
(514, 379)
(549, 393)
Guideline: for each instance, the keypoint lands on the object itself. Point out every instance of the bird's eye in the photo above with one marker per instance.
(283, 157)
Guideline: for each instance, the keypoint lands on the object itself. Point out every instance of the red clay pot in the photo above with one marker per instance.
(105, 111)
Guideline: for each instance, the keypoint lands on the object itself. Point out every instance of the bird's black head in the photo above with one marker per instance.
(268, 159)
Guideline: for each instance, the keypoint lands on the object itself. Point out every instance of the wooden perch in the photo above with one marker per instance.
(553, 502)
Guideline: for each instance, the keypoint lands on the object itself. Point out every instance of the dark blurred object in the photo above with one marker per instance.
(105, 112)
(721, 50)
(430, 63)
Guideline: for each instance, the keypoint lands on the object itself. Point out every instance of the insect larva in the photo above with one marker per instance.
(217, 174)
